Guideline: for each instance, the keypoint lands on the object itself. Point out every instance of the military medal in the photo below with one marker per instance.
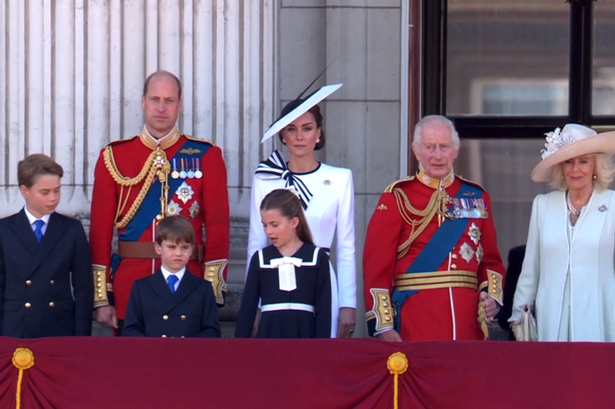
(197, 172)
(175, 173)
(182, 172)
(191, 171)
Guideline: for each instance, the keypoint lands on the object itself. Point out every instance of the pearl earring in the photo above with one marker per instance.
(595, 176)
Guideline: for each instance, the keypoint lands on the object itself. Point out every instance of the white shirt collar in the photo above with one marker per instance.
(32, 218)
(166, 273)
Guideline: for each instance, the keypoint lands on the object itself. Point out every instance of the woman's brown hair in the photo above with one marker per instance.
(315, 111)
(287, 202)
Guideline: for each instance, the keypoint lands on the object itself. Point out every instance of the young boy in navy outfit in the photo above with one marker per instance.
(172, 302)
(46, 284)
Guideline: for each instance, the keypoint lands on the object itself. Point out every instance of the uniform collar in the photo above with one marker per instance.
(165, 142)
(434, 183)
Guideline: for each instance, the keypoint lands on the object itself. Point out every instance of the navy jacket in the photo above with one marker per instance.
(153, 311)
(46, 289)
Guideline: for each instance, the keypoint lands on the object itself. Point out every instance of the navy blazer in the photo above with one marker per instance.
(153, 311)
(46, 289)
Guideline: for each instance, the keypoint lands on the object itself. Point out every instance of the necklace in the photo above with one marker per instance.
(571, 208)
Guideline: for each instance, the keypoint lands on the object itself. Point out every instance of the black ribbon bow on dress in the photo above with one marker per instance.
(274, 167)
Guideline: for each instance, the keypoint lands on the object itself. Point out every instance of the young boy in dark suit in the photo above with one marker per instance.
(46, 284)
(172, 302)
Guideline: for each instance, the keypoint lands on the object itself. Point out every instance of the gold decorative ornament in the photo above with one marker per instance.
(156, 165)
(213, 274)
(100, 285)
(23, 359)
(382, 310)
(397, 364)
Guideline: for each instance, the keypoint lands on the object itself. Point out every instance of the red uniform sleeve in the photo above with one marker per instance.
(491, 270)
(215, 209)
(379, 258)
(104, 207)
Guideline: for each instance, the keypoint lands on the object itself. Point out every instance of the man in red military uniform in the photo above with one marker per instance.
(431, 266)
(139, 181)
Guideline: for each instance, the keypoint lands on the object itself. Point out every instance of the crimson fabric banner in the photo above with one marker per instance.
(104, 372)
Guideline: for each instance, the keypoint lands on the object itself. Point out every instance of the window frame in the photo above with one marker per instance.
(433, 79)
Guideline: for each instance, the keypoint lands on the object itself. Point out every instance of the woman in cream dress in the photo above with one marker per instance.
(568, 274)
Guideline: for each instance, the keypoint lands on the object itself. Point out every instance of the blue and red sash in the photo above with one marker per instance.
(150, 207)
(438, 247)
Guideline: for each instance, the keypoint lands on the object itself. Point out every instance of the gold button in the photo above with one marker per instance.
(182, 336)
(51, 304)
(159, 217)
(387, 311)
(453, 266)
(52, 282)
(28, 305)
(454, 256)
(163, 336)
(385, 304)
(28, 282)
(165, 317)
(183, 318)
(384, 297)
(387, 319)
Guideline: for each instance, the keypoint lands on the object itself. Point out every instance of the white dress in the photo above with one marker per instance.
(329, 213)
(569, 273)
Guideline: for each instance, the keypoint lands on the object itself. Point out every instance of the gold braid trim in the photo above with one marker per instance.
(148, 173)
(436, 205)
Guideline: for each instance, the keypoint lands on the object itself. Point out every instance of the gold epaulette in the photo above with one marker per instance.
(471, 183)
(390, 187)
(193, 138)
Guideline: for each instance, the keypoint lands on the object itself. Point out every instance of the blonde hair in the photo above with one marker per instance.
(604, 170)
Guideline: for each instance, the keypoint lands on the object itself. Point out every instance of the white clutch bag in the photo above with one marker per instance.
(526, 330)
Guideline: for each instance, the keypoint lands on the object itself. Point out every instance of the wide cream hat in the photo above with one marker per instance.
(572, 141)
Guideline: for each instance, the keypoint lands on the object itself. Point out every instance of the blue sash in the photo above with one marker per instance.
(150, 207)
(436, 250)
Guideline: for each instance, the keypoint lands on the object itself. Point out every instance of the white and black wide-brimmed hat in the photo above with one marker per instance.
(572, 141)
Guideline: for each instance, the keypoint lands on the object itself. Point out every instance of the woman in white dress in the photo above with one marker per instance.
(327, 195)
(568, 274)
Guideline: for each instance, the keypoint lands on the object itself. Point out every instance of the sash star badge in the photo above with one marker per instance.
(184, 192)
(466, 252)
(474, 233)
(194, 209)
(479, 254)
(173, 208)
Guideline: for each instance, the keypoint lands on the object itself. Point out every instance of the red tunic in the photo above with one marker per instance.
(442, 313)
(207, 205)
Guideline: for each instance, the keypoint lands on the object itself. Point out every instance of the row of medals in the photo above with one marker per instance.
(195, 172)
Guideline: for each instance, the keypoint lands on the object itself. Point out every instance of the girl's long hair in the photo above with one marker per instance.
(287, 202)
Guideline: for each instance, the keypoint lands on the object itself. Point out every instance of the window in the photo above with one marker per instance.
(518, 68)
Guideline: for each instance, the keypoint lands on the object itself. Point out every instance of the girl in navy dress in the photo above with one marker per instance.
(290, 277)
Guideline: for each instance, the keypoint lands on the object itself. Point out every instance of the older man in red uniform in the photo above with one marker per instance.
(139, 181)
(431, 266)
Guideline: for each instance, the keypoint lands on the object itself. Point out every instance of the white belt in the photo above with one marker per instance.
(288, 306)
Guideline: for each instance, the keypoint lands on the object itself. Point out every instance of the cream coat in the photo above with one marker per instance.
(590, 256)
